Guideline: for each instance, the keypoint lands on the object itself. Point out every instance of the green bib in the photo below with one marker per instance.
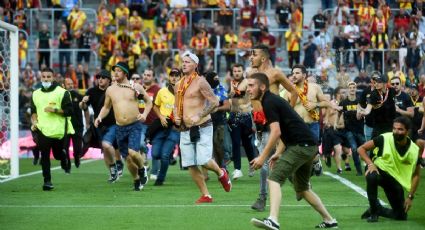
(399, 167)
(51, 124)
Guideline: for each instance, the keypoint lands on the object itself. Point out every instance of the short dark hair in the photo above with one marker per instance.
(47, 69)
(210, 74)
(404, 121)
(264, 49)
(299, 66)
(262, 78)
(237, 65)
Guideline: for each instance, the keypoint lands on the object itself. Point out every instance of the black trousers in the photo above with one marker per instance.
(77, 145)
(45, 144)
(294, 58)
(394, 192)
(44, 57)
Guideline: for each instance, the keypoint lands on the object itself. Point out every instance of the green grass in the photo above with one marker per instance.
(84, 200)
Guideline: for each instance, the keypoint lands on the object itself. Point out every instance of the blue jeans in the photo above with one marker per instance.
(315, 129)
(355, 139)
(368, 132)
(162, 146)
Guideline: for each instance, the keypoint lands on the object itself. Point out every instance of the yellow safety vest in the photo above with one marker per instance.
(51, 124)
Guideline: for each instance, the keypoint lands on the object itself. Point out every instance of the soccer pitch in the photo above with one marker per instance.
(84, 200)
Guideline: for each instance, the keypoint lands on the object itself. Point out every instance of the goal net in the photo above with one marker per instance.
(9, 104)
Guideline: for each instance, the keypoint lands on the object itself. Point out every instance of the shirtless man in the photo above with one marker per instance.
(192, 115)
(307, 106)
(124, 98)
(260, 62)
(333, 134)
(240, 120)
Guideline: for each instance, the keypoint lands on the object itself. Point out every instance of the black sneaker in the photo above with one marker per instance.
(77, 161)
(120, 167)
(372, 219)
(259, 205)
(47, 186)
(113, 174)
(366, 214)
(317, 168)
(265, 223)
(35, 161)
(138, 185)
(143, 174)
(325, 224)
(347, 167)
(158, 183)
(339, 171)
(328, 161)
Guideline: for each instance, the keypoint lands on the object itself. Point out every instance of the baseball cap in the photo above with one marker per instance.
(103, 74)
(123, 66)
(175, 71)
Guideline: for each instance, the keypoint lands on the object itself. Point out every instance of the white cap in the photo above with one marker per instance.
(191, 56)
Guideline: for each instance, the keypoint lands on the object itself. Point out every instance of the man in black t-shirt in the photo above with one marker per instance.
(77, 124)
(362, 81)
(283, 13)
(403, 103)
(95, 98)
(369, 119)
(353, 124)
(44, 41)
(382, 102)
(319, 21)
(296, 160)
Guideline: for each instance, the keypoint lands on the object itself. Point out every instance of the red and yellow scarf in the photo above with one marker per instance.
(303, 97)
(184, 84)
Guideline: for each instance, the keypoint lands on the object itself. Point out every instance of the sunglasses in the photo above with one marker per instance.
(102, 77)
(393, 84)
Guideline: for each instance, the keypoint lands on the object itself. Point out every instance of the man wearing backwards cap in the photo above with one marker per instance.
(94, 97)
(192, 114)
(124, 98)
(382, 102)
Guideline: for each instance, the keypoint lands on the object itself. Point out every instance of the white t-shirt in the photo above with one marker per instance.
(178, 3)
(353, 31)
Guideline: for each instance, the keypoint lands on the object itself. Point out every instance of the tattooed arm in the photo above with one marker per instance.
(208, 93)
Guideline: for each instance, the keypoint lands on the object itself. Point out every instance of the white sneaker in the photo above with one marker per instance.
(153, 177)
(237, 174)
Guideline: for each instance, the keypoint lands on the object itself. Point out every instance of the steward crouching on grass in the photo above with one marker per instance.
(395, 166)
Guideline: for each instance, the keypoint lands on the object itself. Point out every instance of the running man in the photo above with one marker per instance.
(124, 98)
(195, 101)
(296, 160)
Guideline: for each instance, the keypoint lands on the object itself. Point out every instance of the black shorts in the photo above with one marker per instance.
(332, 137)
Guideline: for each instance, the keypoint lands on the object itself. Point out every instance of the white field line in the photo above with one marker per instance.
(350, 185)
(160, 206)
(39, 171)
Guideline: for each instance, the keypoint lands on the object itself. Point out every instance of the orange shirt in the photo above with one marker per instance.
(159, 41)
(199, 44)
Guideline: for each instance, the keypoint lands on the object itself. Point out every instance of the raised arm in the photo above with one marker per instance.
(284, 81)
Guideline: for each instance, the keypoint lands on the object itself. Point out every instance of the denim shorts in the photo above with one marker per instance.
(315, 130)
(128, 137)
(109, 135)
